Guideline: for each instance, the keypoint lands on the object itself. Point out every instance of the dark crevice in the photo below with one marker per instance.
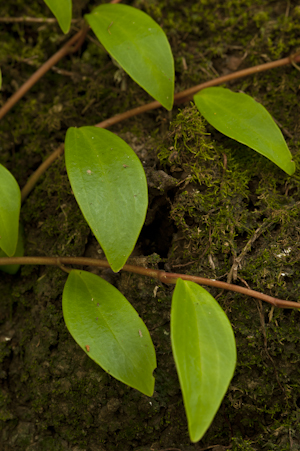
(157, 236)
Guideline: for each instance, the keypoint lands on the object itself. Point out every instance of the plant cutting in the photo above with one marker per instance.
(109, 184)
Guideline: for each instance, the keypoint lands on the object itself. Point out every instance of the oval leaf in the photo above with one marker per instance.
(204, 351)
(10, 205)
(109, 330)
(139, 45)
(240, 117)
(62, 10)
(109, 183)
(13, 269)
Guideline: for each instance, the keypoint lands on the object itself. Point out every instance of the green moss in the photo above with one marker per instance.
(242, 445)
(225, 193)
(218, 210)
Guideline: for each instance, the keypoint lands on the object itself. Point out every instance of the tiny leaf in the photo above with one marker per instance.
(10, 204)
(109, 330)
(204, 351)
(240, 117)
(109, 184)
(62, 10)
(139, 45)
(13, 269)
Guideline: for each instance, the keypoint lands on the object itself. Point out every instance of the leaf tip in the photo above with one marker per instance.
(291, 168)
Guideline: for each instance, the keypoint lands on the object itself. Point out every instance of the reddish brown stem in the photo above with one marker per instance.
(163, 276)
(31, 182)
(76, 41)
(186, 95)
(32, 19)
(67, 48)
(179, 97)
(160, 275)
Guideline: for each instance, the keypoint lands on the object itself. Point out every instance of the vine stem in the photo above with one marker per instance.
(187, 94)
(70, 47)
(162, 276)
(180, 97)
(183, 96)
(32, 19)
(31, 182)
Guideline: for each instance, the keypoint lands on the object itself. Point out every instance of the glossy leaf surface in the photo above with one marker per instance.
(10, 204)
(204, 351)
(240, 117)
(13, 269)
(139, 45)
(109, 183)
(62, 10)
(109, 330)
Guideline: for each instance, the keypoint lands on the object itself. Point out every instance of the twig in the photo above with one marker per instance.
(187, 95)
(30, 62)
(285, 131)
(162, 276)
(32, 19)
(237, 261)
(31, 182)
(75, 41)
(184, 95)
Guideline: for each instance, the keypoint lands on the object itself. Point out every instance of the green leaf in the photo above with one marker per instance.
(109, 330)
(0, 79)
(204, 351)
(109, 183)
(240, 117)
(10, 205)
(139, 45)
(62, 10)
(13, 269)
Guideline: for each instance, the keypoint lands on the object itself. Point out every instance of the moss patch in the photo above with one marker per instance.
(227, 212)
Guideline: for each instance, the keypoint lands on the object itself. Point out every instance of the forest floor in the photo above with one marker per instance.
(208, 197)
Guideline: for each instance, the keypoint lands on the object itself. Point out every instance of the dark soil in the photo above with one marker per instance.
(208, 197)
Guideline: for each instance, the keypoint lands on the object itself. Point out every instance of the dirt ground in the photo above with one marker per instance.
(208, 197)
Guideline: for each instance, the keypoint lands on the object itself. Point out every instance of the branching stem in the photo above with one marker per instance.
(180, 97)
(67, 48)
(162, 276)
(72, 45)
(187, 95)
